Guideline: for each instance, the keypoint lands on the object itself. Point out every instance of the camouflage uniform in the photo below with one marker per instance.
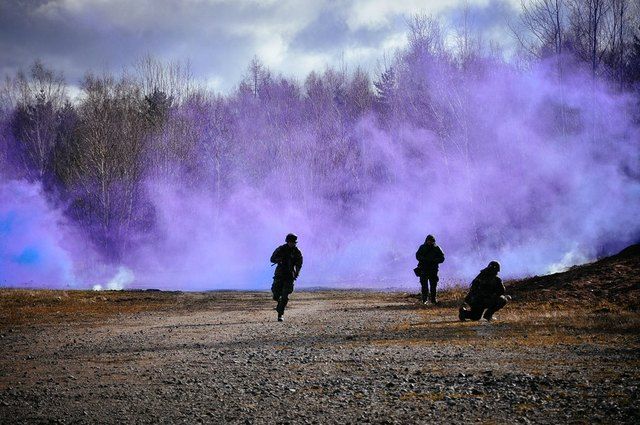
(429, 257)
(487, 295)
(289, 261)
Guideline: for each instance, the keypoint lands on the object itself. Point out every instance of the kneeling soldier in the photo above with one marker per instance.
(486, 295)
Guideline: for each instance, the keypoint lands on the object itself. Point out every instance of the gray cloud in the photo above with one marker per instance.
(218, 37)
(82, 41)
(330, 31)
(484, 18)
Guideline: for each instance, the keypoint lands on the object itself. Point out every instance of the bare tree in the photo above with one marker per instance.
(37, 100)
(468, 45)
(385, 95)
(359, 94)
(426, 35)
(545, 24)
(622, 19)
(174, 79)
(107, 160)
(588, 33)
(43, 82)
(257, 78)
(5, 139)
(34, 127)
(632, 61)
(596, 31)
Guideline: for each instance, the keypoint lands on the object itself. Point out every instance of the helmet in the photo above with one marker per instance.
(291, 237)
(430, 238)
(494, 265)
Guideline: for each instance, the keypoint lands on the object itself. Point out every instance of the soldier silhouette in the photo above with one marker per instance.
(429, 257)
(486, 295)
(289, 262)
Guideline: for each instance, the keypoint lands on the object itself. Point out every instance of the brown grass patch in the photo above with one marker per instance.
(18, 307)
(23, 306)
(518, 325)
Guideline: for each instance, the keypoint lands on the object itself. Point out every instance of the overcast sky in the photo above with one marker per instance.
(219, 37)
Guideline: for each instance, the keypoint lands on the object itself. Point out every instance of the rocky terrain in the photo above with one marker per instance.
(339, 357)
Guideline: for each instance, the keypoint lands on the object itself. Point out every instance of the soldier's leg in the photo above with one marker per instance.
(287, 288)
(282, 303)
(276, 289)
(476, 311)
(496, 304)
(424, 287)
(433, 285)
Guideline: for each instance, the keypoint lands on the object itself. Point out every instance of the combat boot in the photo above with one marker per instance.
(462, 314)
(280, 318)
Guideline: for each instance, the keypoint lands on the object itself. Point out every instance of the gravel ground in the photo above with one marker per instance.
(339, 357)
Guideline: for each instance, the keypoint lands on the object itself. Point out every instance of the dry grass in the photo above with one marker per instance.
(46, 306)
(519, 325)
(21, 306)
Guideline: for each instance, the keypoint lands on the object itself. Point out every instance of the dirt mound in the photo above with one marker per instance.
(615, 279)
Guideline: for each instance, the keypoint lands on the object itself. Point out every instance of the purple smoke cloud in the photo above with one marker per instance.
(524, 167)
(41, 248)
(31, 247)
(511, 180)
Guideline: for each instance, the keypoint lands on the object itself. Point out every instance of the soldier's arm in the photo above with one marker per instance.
(276, 257)
(500, 289)
(300, 260)
(473, 291)
(475, 283)
(440, 255)
(419, 254)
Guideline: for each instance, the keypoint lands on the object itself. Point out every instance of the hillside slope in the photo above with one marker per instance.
(615, 279)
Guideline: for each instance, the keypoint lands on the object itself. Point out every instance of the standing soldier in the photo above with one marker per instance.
(429, 257)
(289, 260)
(487, 292)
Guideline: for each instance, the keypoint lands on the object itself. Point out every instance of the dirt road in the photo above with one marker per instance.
(339, 357)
